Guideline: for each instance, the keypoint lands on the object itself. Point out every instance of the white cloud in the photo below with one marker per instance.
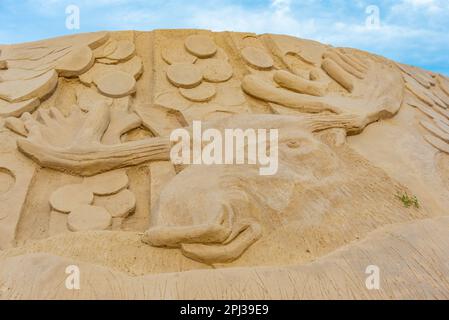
(413, 31)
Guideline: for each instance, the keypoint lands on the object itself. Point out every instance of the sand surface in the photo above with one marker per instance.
(86, 178)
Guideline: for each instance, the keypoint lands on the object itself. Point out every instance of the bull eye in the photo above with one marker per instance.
(293, 144)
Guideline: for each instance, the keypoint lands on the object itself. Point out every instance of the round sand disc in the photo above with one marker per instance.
(110, 48)
(216, 70)
(125, 49)
(106, 49)
(204, 92)
(221, 55)
(201, 46)
(107, 183)
(67, 198)
(119, 205)
(116, 84)
(87, 218)
(184, 75)
(257, 58)
(175, 53)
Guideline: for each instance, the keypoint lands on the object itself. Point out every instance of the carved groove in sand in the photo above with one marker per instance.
(7, 180)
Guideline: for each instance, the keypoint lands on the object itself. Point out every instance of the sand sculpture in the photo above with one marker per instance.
(86, 176)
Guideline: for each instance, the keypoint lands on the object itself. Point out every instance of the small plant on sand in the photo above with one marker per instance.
(407, 200)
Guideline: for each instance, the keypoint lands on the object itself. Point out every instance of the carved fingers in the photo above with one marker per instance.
(224, 253)
(264, 90)
(343, 69)
(298, 84)
(174, 236)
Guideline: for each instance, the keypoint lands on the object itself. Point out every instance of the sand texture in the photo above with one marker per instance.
(86, 178)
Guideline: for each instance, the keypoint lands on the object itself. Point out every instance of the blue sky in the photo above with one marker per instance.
(410, 31)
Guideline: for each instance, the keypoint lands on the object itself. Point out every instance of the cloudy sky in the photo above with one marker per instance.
(410, 31)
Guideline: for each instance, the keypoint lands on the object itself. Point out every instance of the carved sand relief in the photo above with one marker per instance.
(223, 216)
(75, 143)
(96, 128)
(257, 58)
(31, 70)
(184, 75)
(86, 218)
(203, 75)
(236, 209)
(67, 198)
(92, 204)
(428, 93)
(7, 180)
(343, 85)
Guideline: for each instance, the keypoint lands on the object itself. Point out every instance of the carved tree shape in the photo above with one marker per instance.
(374, 88)
(73, 144)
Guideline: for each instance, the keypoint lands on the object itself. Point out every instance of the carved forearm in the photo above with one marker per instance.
(93, 160)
